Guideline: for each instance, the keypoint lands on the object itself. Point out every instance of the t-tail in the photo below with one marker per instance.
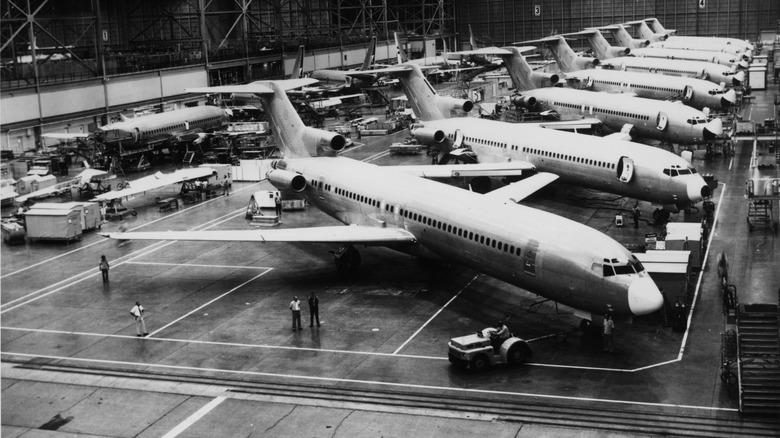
(370, 55)
(472, 41)
(625, 39)
(567, 60)
(601, 46)
(523, 77)
(297, 71)
(401, 53)
(426, 103)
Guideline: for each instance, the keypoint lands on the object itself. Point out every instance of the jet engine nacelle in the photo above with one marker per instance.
(524, 101)
(614, 52)
(316, 139)
(286, 180)
(582, 63)
(428, 135)
(545, 79)
(448, 104)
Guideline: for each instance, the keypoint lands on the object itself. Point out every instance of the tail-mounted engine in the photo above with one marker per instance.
(545, 79)
(427, 135)
(614, 52)
(524, 101)
(449, 104)
(582, 63)
(317, 139)
(286, 180)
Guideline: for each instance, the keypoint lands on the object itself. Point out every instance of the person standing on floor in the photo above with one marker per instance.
(140, 325)
(635, 214)
(103, 265)
(609, 332)
(226, 187)
(295, 306)
(314, 309)
(278, 205)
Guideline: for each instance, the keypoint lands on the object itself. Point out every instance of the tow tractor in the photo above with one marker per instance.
(476, 351)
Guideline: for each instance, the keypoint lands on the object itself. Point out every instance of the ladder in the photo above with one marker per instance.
(188, 157)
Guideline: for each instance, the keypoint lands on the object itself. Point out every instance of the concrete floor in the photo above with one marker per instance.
(219, 311)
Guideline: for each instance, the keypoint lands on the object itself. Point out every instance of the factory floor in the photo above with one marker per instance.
(221, 358)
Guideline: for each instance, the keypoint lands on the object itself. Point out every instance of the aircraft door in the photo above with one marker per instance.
(136, 135)
(529, 260)
(687, 93)
(589, 83)
(625, 169)
(458, 142)
(187, 125)
(662, 121)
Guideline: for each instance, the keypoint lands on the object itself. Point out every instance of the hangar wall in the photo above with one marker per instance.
(506, 21)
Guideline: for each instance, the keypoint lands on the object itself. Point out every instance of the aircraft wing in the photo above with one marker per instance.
(64, 135)
(155, 181)
(514, 168)
(49, 191)
(486, 51)
(520, 190)
(355, 234)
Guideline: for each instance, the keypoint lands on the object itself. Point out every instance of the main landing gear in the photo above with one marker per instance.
(347, 258)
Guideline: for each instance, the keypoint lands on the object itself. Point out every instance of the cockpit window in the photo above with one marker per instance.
(678, 170)
(696, 121)
(612, 267)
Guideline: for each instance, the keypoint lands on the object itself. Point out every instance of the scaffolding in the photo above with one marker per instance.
(762, 194)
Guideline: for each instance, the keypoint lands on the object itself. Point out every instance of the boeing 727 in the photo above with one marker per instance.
(663, 40)
(606, 164)
(383, 206)
(666, 121)
(694, 41)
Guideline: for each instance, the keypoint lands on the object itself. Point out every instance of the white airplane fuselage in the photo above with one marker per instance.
(693, 92)
(609, 165)
(161, 127)
(727, 59)
(526, 247)
(666, 121)
(709, 71)
(705, 44)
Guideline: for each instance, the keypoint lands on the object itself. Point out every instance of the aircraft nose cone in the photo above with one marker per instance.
(644, 296)
(743, 65)
(729, 99)
(713, 129)
(697, 190)
(738, 78)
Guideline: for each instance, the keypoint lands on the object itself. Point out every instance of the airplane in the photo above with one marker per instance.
(536, 79)
(623, 38)
(608, 164)
(666, 121)
(178, 125)
(708, 71)
(342, 80)
(689, 43)
(566, 58)
(85, 177)
(156, 181)
(737, 43)
(492, 234)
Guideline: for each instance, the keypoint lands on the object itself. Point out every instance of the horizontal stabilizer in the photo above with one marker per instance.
(64, 135)
(514, 168)
(520, 190)
(496, 51)
(336, 234)
(259, 87)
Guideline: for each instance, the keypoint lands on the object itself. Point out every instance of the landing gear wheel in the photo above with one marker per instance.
(515, 355)
(347, 258)
(480, 363)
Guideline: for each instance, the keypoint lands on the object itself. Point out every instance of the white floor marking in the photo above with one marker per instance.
(436, 314)
(204, 305)
(109, 240)
(376, 383)
(181, 427)
(91, 273)
(196, 265)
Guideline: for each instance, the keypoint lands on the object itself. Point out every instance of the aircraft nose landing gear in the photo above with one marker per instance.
(347, 258)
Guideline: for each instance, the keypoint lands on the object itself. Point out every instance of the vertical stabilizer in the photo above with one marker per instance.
(370, 55)
(401, 53)
(422, 97)
(563, 54)
(519, 69)
(297, 71)
(285, 121)
(472, 41)
(599, 44)
(622, 36)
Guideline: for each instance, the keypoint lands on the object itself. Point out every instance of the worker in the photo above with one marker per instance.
(723, 268)
(500, 335)
(278, 205)
(635, 214)
(609, 333)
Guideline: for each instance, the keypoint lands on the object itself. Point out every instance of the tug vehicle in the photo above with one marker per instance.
(479, 350)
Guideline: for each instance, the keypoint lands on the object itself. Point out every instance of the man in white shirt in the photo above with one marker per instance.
(140, 325)
(295, 306)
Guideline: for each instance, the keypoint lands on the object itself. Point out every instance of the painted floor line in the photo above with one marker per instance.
(106, 240)
(94, 274)
(117, 261)
(325, 350)
(186, 265)
(192, 419)
(436, 314)
(208, 303)
(382, 384)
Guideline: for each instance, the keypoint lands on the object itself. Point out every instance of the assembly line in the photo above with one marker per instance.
(416, 229)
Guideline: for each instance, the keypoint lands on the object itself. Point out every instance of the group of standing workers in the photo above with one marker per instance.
(314, 311)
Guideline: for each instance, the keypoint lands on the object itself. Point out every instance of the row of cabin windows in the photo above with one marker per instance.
(605, 111)
(482, 141)
(457, 231)
(646, 87)
(667, 70)
(182, 125)
(571, 158)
